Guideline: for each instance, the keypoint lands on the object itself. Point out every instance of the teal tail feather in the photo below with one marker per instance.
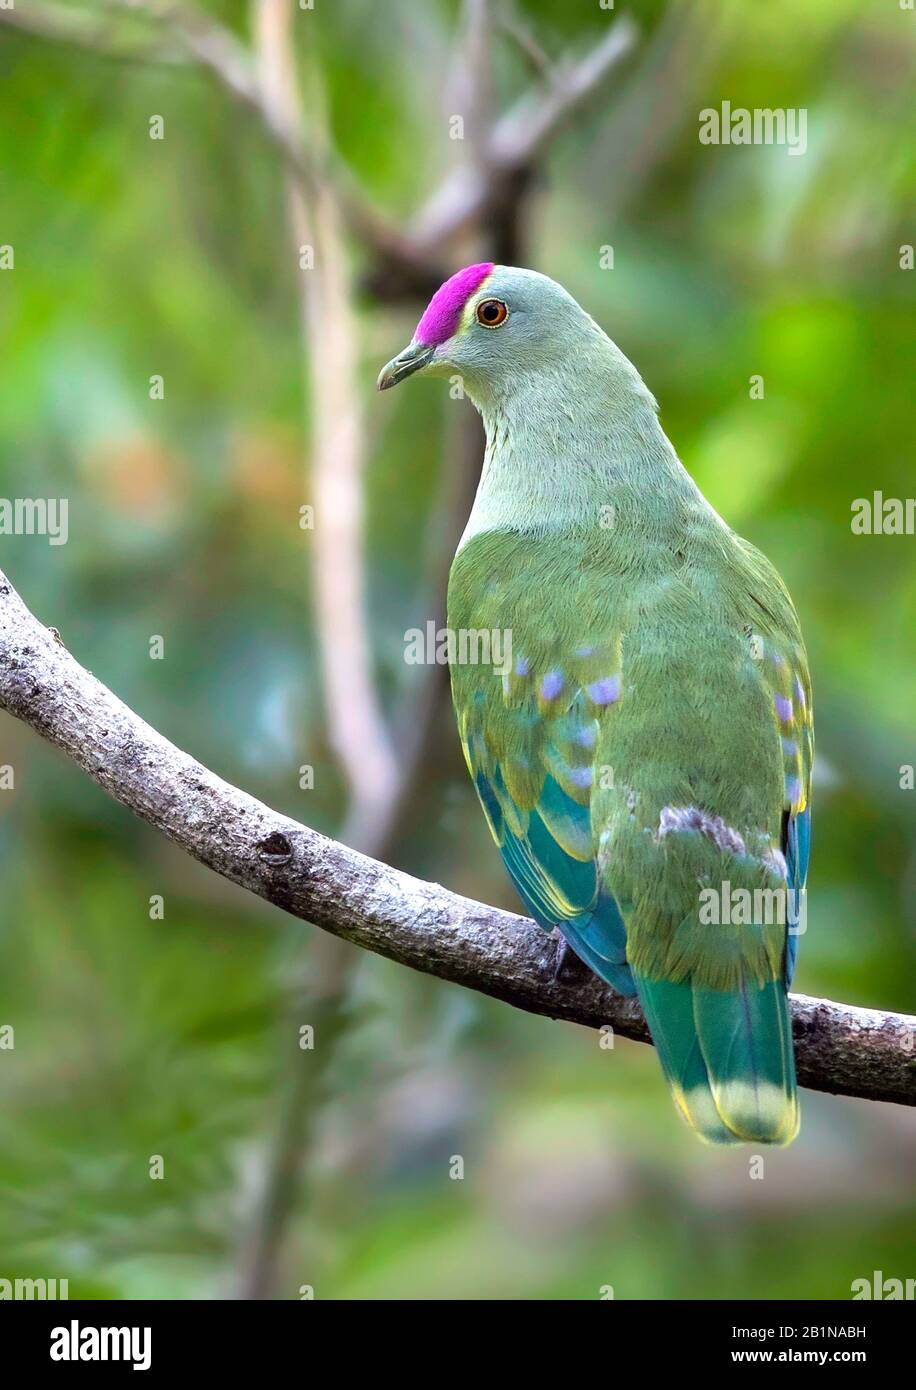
(727, 1056)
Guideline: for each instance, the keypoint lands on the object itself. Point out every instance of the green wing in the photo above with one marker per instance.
(530, 736)
(775, 641)
(786, 672)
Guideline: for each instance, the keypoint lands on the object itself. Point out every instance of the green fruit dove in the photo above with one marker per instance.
(643, 756)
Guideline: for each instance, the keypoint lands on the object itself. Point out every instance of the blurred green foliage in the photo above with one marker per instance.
(137, 1037)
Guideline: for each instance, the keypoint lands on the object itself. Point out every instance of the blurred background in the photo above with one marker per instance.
(223, 223)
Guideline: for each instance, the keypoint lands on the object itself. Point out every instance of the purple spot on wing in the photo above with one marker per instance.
(581, 776)
(783, 707)
(789, 747)
(443, 311)
(793, 790)
(799, 692)
(605, 691)
(586, 736)
(551, 685)
(522, 666)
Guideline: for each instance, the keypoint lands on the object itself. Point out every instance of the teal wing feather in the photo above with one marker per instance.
(530, 748)
(797, 851)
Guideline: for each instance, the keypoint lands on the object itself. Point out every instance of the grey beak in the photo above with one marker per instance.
(414, 356)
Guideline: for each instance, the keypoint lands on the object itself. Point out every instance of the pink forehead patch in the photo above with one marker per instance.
(444, 309)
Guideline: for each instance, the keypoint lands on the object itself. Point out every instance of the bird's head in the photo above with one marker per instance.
(491, 324)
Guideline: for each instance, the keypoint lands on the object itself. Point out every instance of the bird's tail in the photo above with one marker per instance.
(728, 1057)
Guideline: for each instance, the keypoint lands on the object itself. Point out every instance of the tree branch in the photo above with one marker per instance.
(196, 37)
(356, 722)
(517, 138)
(409, 263)
(839, 1048)
(99, 32)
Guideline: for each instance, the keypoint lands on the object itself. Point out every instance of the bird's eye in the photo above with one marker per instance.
(492, 312)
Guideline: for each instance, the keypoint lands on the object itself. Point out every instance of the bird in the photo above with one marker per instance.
(642, 752)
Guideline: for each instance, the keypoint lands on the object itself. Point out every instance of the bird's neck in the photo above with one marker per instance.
(578, 448)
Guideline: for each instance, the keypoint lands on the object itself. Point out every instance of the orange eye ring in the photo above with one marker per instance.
(492, 313)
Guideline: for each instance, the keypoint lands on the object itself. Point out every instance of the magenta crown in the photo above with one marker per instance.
(443, 312)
